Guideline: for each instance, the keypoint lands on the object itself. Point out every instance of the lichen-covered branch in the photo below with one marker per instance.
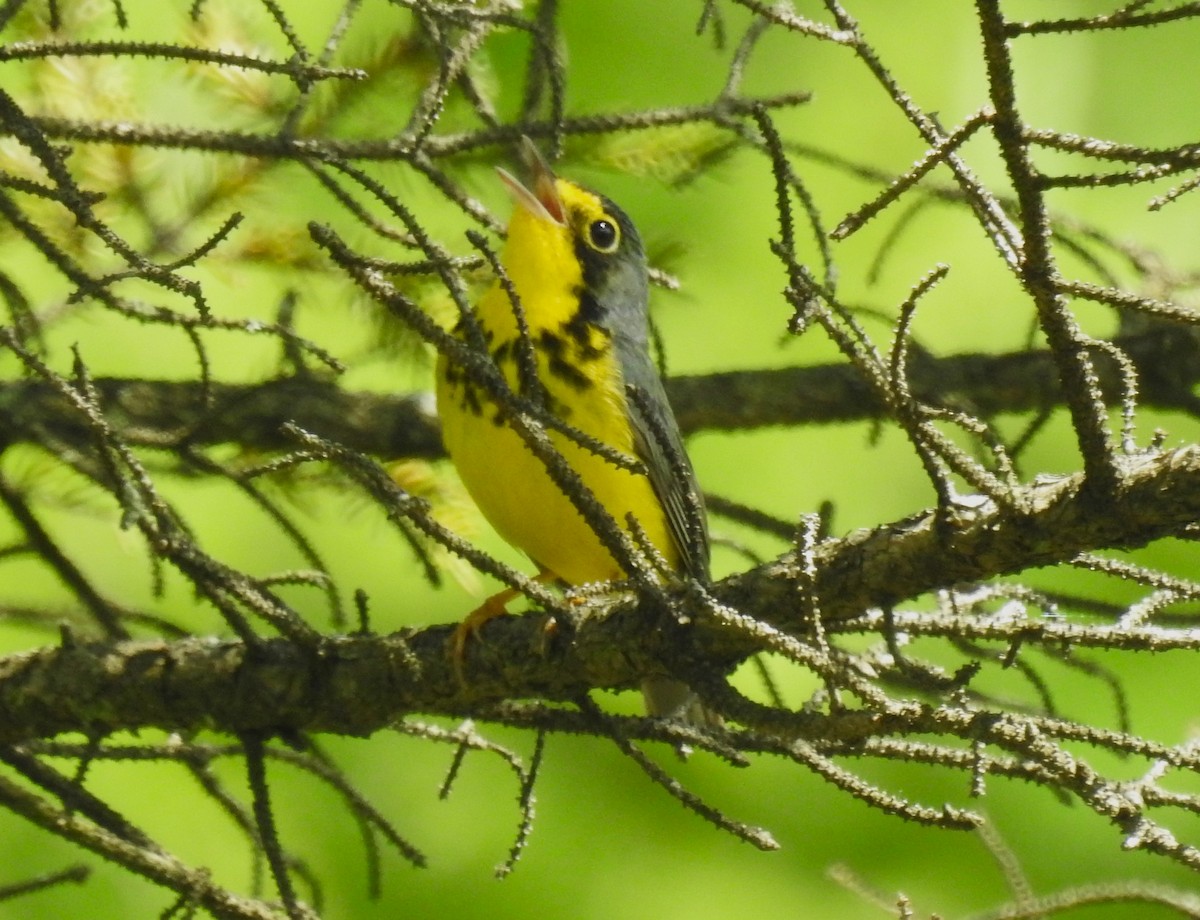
(363, 683)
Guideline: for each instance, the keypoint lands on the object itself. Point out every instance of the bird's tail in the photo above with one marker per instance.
(667, 698)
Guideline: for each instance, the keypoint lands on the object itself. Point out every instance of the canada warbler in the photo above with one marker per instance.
(578, 270)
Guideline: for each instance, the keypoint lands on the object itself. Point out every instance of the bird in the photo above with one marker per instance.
(574, 295)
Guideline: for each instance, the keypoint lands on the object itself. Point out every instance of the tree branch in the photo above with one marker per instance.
(359, 684)
(173, 414)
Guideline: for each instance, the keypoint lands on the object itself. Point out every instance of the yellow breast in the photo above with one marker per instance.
(514, 490)
(577, 367)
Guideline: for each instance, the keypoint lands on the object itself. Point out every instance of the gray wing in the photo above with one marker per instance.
(658, 444)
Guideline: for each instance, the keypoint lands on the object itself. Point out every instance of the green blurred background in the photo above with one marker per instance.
(606, 843)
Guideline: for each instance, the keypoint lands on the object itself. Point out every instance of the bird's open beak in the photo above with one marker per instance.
(540, 197)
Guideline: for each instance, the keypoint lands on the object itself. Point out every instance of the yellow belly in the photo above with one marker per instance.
(517, 495)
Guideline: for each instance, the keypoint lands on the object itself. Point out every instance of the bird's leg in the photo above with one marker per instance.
(469, 628)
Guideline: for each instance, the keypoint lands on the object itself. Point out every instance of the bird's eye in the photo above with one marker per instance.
(603, 235)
